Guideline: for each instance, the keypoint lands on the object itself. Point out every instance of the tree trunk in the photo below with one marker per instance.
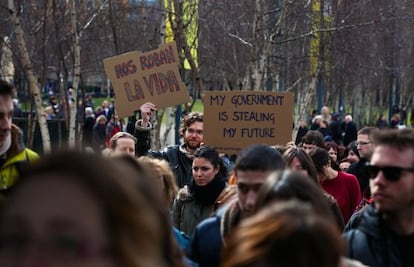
(33, 85)
(76, 78)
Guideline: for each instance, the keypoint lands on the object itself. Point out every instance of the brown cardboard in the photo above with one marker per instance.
(236, 119)
(152, 76)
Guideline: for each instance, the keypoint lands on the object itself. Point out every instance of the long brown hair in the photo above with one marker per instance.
(284, 234)
(135, 214)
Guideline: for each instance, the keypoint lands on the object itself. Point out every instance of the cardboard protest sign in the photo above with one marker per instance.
(139, 77)
(236, 119)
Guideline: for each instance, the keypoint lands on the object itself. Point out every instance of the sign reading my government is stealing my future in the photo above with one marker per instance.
(236, 119)
(152, 76)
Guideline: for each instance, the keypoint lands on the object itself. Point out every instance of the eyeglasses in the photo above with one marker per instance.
(362, 143)
(391, 173)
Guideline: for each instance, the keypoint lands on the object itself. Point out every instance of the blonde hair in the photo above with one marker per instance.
(101, 118)
(165, 175)
(114, 139)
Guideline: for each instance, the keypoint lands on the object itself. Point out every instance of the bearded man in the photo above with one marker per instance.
(179, 156)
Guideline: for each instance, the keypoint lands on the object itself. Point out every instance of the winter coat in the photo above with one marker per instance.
(350, 133)
(374, 243)
(188, 212)
(206, 243)
(179, 159)
(14, 160)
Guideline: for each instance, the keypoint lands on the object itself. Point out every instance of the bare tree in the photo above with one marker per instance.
(76, 76)
(361, 50)
(33, 85)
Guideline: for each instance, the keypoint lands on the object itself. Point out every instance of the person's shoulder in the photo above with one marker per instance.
(31, 154)
(25, 154)
(356, 167)
(350, 179)
(355, 220)
(171, 152)
(215, 221)
(227, 195)
(365, 221)
(352, 168)
(208, 226)
(172, 148)
(347, 175)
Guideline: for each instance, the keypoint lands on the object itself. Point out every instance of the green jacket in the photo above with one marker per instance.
(187, 213)
(16, 157)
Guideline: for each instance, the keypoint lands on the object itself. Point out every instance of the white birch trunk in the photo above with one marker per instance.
(33, 85)
(76, 77)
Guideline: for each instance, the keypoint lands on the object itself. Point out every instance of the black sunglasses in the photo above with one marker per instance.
(391, 173)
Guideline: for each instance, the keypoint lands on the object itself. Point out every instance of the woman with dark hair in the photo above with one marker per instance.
(205, 194)
(77, 209)
(333, 150)
(351, 155)
(298, 160)
(344, 187)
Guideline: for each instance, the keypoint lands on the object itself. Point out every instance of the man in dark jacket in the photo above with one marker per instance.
(365, 149)
(384, 235)
(350, 130)
(335, 129)
(251, 169)
(179, 156)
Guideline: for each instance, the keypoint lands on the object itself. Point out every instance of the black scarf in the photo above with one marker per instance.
(206, 195)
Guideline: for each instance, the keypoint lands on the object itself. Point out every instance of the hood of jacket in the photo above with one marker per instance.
(17, 144)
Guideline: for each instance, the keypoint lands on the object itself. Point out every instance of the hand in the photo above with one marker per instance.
(146, 112)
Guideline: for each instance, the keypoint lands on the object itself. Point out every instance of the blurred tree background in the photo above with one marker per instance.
(353, 56)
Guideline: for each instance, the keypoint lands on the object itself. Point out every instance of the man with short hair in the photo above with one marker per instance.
(312, 139)
(179, 156)
(252, 167)
(122, 143)
(384, 235)
(365, 148)
(13, 153)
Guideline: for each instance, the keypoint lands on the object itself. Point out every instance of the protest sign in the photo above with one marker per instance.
(152, 76)
(236, 119)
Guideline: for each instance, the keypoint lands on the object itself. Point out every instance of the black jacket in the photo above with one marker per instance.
(206, 243)
(373, 243)
(335, 130)
(179, 162)
(350, 132)
(359, 170)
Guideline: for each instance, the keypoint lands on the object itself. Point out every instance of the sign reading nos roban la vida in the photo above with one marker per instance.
(152, 76)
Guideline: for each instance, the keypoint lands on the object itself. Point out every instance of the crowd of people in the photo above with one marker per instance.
(319, 202)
